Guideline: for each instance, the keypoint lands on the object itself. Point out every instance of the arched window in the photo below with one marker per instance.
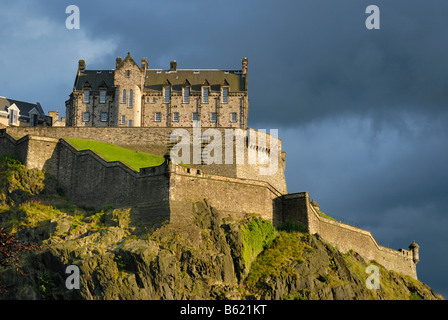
(130, 98)
(123, 96)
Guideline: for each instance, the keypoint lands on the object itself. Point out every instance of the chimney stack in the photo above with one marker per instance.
(173, 65)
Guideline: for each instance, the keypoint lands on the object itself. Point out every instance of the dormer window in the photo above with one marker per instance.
(205, 92)
(13, 117)
(186, 94)
(166, 94)
(86, 96)
(225, 95)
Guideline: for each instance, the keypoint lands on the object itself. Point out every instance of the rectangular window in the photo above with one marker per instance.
(204, 95)
(186, 95)
(233, 117)
(86, 96)
(147, 99)
(123, 119)
(128, 73)
(123, 97)
(12, 117)
(86, 116)
(129, 123)
(102, 96)
(166, 95)
(131, 95)
(213, 117)
(154, 100)
(176, 116)
(103, 116)
(157, 116)
(195, 116)
(225, 94)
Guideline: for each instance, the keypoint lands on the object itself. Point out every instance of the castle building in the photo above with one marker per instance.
(136, 96)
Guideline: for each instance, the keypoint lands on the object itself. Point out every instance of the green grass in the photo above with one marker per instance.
(110, 152)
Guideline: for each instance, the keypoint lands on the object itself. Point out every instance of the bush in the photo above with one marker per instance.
(257, 236)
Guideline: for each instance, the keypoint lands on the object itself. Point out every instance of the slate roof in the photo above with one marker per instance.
(156, 79)
(95, 78)
(196, 78)
(24, 107)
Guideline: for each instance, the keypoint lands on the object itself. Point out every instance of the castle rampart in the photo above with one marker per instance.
(168, 192)
(157, 141)
(297, 208)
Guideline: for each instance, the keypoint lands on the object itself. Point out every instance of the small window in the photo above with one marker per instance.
(225, 94)
(233, 117)
(176, 116)
(129, 123)
(147, 99)
(102, 96)
(123, 97)
(154, 100)
(157, 117)
(103, 116)
(12, 117)
(213, 117)
(186, 95)
(86, 96)
(195, 116)
(166, 95)
(123, 119)
(205, 95)
(131, 94)
(128, 73)
(86, 116)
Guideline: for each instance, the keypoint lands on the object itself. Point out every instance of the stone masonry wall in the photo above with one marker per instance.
(297, 208)
(159, 193)
(168, 193)
(230, 196)
(157, 141)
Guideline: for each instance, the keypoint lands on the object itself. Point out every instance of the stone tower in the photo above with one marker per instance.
(128, 83)
(414, 249)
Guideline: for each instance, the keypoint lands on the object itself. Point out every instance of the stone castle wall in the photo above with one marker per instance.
(157, 141)
(168, 192)
(297, 209)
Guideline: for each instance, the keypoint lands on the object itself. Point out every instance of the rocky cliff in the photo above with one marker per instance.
(121, 256)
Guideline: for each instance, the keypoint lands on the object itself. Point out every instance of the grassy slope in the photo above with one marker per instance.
(111, 152)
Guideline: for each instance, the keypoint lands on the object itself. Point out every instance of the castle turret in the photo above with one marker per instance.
(414, 249)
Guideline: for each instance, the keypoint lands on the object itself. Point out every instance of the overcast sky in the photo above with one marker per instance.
(362, 113)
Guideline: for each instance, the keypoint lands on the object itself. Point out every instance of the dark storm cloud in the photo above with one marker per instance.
(365, 73)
